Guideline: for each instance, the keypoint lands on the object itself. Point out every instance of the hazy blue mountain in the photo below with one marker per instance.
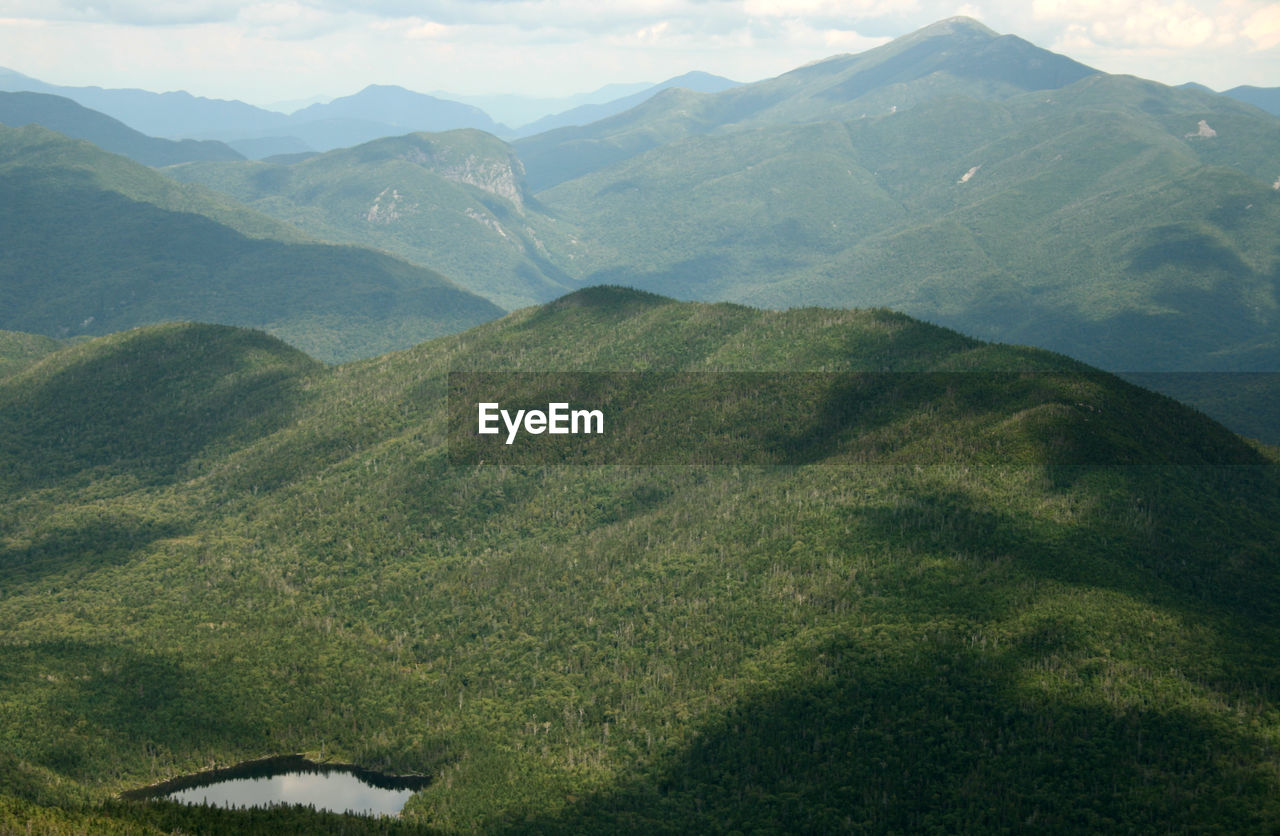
(402, 109)
(514, 109)
(1266, 98)
(374, 112)
(955, 57)
(585, 114)
(175, 115)
(66, 117)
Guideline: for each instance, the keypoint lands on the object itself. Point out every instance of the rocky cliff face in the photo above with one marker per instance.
(499, 173)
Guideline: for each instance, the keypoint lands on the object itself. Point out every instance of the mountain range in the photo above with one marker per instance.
(965, 177)
(376, 111)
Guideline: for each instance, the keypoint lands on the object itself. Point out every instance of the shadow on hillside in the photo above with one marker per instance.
(935, 718)
(81, 547)
(935, 736)
(148, 403)
(124, 706)
(1053, 419)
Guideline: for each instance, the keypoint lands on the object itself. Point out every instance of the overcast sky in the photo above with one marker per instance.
(265, 51)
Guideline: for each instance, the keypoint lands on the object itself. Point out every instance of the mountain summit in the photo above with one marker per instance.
(954, 57)
(392, 105)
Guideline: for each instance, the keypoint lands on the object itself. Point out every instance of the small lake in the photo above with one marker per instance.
(292, 779)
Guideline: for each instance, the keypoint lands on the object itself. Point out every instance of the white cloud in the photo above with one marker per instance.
(128, 12)
(1147, 25)
(825, 9)
(1263, 27)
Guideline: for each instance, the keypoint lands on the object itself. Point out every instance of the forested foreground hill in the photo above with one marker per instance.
(213, 548)
(91, 243)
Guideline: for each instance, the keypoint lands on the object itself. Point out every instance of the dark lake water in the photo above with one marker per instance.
(293, 780)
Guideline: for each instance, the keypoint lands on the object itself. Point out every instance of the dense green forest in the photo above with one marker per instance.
(214, 548)
(19, 350)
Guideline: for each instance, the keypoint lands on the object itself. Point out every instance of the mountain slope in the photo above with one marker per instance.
(955, 57)
(66, 117)
(636, 648)
(94, 243)
(456, 201)
(1266, 98)
(18, 350)
(512, 109)
(699, 82)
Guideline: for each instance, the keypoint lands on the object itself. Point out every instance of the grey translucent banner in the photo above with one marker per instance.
(765, 418)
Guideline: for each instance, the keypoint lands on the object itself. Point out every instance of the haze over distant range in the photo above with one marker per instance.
(295, 50)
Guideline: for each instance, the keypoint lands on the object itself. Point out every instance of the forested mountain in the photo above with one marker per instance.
(454, 201)
(213, 548)
(92, 243)
(955, 57)
(967, 178)
(66, 117)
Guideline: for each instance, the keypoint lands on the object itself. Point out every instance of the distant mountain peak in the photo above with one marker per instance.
(955, 26)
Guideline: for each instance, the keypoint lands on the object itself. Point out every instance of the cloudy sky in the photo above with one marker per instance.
(266, 51)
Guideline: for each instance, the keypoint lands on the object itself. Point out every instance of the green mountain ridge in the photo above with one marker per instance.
(95, 243)
(627, 649)
(19, 350)
(455, 201)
